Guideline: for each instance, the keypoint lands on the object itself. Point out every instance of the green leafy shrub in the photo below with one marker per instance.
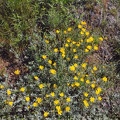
(60, 81)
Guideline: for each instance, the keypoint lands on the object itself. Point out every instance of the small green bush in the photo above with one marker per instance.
(60, 82)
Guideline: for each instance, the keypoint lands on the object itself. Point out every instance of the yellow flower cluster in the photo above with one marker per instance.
(65, 70)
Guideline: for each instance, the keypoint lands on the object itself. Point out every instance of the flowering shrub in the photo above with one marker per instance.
(60, 80)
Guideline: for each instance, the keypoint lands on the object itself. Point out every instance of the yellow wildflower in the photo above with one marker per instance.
(95, 47)
(59, 112)
(77, 84)
(98, 90)
(92, 99)
(10, 103)
(82, 79)
(68, 84)
(90, 39)
(86, 50)
(52, 71)
(99, 98)
(61, 94)
(57, 31)
(82, 33)
(68, 99)
(81, 40)
(47, 41)
(28, 106)
(54, 64)
(92, 71)
(56, 102)
(67, 109)
(83, 29)
(45, 36)
(87, 33)
(75, 78)
(52, 94)
(104, 79)
(95, 68)
(85, 94)
(56, 50)
(74, 50)
(2, 86)
(36, 78)
(47, 95)
(54, 86)
(72, 85)
(35, 104)
(68, 59)
(100, 38)
(78, 44)
(83, 23)
(86, 75)
(38, 100)
(63, 55)
(22, 89)
(89, 47)
(46, 114)
(93, 85)
(58, 108)
(79, 26)
(50, 61)
(65, 32)
(87, 81)
(68, 40)
(62, 50)
(72, 68)
(69, 29)
(75, 64)
(66, 45)
(27, 98)
(17, 72)
(8, 92)
(41, 86)
(44, 56)
(73, 42)
(86, 104)
(41, 67)
(84, 65)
